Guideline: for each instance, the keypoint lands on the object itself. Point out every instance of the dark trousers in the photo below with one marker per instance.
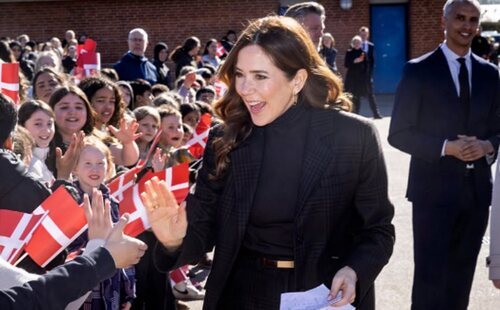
(153, 291)
(447, 240)
(356, 100)
(253, 286)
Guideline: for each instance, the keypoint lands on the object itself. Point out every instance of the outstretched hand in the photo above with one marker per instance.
(127, 132)
(98, 215)
(168, 220)
(125, 250)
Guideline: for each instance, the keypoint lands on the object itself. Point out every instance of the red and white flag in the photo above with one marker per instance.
(16, 229)
(121, 184)
(177, 179)
(88, 64)
(220, 50)
(9, 80)
(220, 89)
(124, 182)
(198, 143)
(64, 223)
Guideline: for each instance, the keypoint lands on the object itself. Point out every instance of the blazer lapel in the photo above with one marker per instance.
(248, 157)
(442, 69)
(317, 156)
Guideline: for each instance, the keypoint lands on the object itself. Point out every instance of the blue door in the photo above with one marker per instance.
(388, 32)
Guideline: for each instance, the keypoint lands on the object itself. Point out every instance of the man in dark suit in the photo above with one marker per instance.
(368, 47)
(447, 117)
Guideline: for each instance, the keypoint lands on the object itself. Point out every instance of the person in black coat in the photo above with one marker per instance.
(292, 191)
(328, 51)
(369, 49)
(185, 55)
(355, 79)
(446, 115)
(160, 57)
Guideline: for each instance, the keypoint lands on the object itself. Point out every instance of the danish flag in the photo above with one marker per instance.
(197, 144)
(121, 184)
(64, 223)
(16, 229)
(177, 179)
(9, 80)
(220, 89)
(124, 182)
(88, 64)
(220, 50)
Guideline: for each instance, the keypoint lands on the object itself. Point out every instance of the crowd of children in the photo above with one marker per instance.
(83, 133)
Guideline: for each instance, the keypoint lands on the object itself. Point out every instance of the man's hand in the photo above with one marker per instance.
(468, 148)
(475, 148)
(344, 280)
(454, 148)
(125, 250)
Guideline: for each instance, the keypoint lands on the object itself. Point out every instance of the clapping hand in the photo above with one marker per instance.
(67, 162)
(127, 132)
(168, 220)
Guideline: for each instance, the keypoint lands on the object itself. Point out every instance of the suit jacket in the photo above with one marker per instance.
(427, 111)
(57, 288)
(370, 58)
(343, 214)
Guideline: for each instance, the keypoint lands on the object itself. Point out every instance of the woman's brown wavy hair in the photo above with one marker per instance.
(290, 49)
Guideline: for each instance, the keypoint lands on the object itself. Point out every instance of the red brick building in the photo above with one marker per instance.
(108, 21)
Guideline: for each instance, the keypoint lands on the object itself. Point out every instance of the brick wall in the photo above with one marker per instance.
(425, 26)
(108, 22)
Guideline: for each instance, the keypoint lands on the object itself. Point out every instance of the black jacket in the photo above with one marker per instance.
(18, 191)
(343, 213)
(62, 285)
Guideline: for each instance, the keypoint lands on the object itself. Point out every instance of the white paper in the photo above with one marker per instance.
(313, 299)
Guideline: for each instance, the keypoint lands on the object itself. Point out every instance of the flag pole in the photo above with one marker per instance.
(20, 259)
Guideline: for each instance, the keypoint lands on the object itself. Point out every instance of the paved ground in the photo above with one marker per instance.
(394, 284)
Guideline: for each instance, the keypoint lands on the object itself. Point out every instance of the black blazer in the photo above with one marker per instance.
(343, 214)
(427, 111)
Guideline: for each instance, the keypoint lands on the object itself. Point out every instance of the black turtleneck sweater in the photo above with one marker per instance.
(270, 229)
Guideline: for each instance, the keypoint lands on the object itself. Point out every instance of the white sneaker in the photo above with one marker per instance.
(187, 291)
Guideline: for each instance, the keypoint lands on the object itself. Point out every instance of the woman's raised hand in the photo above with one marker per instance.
(168, 220)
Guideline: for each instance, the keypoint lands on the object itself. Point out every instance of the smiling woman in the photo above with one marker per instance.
(293, 189)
